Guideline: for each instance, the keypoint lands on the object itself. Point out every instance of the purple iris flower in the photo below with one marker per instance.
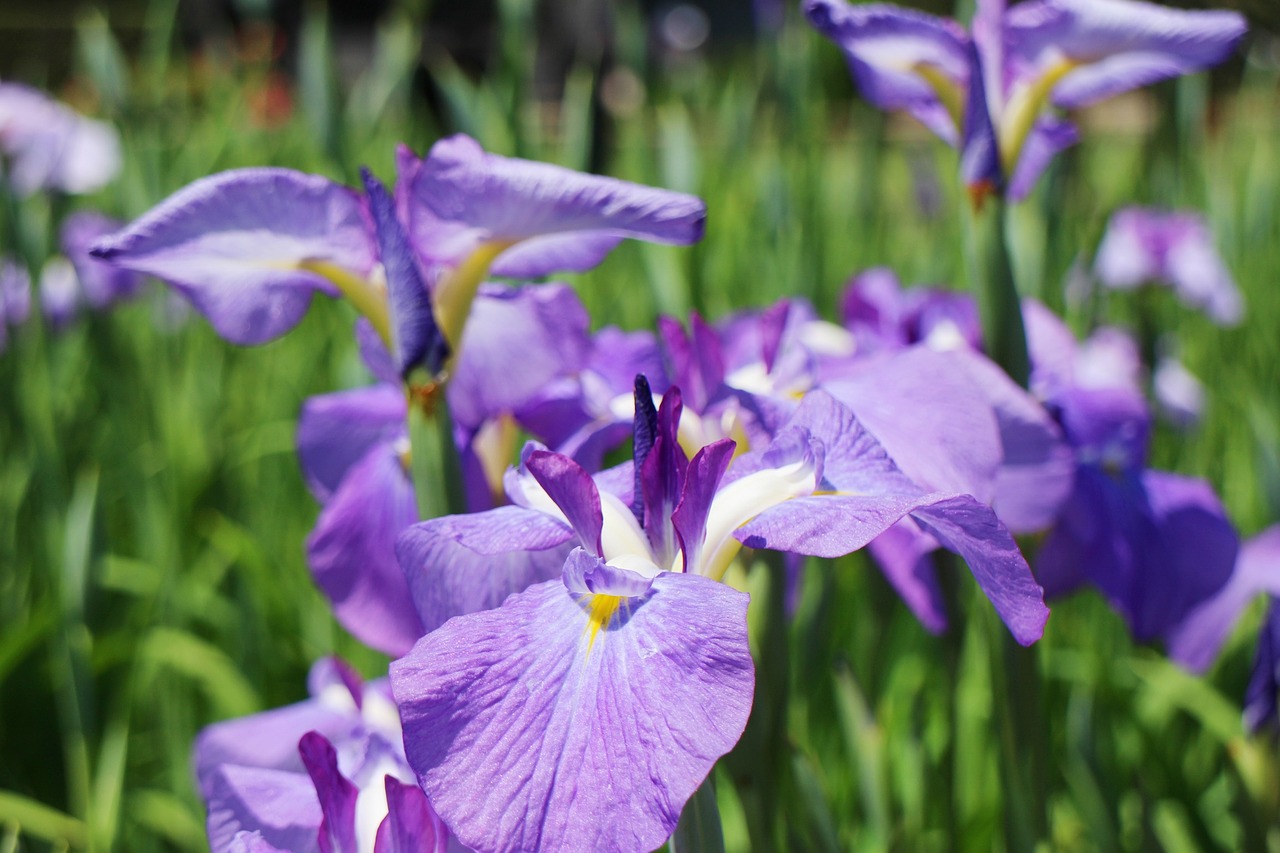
(588, 707)
(101, 283)
(1144, 245)
(47, 145)
(1156, 544)
(249, 247)
(327, 774)
(986, 93)
(354, 447)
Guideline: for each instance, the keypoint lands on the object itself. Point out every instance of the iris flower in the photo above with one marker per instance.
(250, 247)
(586, 709)
(987, 92)
(327, 774)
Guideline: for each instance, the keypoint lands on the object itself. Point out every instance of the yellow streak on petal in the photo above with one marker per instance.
(600, 612)
(1024, 108)
(947, 91)
(368, 298)
(457, 290)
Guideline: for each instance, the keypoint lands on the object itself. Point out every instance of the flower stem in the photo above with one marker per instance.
(992, 280)
(435, 466)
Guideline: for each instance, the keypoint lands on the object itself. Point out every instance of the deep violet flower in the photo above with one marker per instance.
(986, 93)
(1156, 544)
(626, 660)
(1196, 641)
(1148, 246)
(327, 774)
(249, 247)
(47, 145)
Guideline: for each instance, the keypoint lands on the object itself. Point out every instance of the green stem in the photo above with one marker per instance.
(992, 280)
(1020, 721)
(436, 468)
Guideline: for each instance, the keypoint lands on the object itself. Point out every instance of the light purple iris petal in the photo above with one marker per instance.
(461, 196)
(102, 283)
(1037, 467)
(465, 563)
(537, 256)
(1196, 641)
(352, 557)
(252, 842)
(280, 805)
(411, 826)
(417, 340)
(1119, 44)
(268, 740)
(515, 342)
(337, 430)
(971, 529)
(1156, 544)
(337, 796)
(530, 731)
(930, 416)
(232, 243)
(1049, 136)
(1264, 682)
(873, 308)
(884, 44)
(902, 553)
(374, 353)
(587, 574)
(825, 525)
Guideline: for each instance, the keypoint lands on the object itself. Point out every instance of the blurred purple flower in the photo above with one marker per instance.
(987, 93)
(47, 145)
(101, 283)
(327, 774)
(1198, 638)
(1144, 245)
(1157, 545)
(15, 297)
(1260, 702)
(60, 294)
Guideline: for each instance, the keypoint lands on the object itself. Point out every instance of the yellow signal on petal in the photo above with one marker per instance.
(600, 610)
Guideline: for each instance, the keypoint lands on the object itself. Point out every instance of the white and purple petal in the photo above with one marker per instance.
(237, 245)
(888, 47)
(538, 726)
(1115, 45)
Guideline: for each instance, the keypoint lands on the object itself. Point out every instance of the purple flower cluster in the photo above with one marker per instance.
(571, 657)
(986, 91)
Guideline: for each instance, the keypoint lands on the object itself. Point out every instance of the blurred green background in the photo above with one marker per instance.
(152, 513)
